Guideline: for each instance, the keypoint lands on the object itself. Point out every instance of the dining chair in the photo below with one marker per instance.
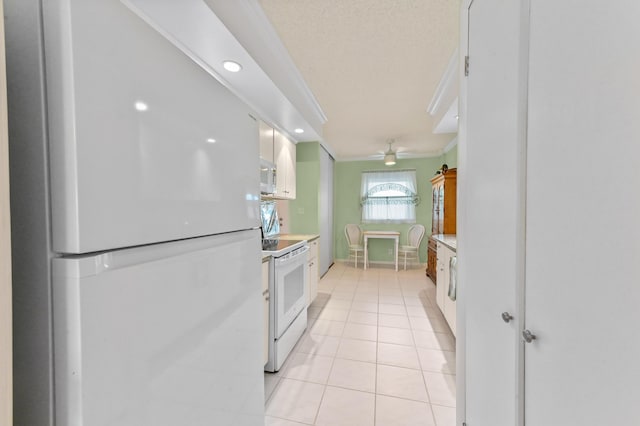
(353, 234)
(414, 238)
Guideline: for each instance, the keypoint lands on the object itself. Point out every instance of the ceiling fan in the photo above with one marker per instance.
(390, 156)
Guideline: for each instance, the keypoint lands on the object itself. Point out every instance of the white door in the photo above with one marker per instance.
(145, 145)
(169, 334)
(583, 210)
(326, 211)
(489, 215)
(6, 338)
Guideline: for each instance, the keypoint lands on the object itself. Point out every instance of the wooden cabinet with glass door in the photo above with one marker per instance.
(443, 214)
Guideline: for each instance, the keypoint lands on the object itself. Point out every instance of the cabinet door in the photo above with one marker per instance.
(441, 208)
(265, 313)
(435, 211)
(285, 158)
(280, 153)
(266, 142)
(291, 171)
(491, 215)
(432, 260)
(313, 271)
(440, 274)
(449, 305)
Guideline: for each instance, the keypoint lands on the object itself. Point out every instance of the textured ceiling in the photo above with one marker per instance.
(373, 66)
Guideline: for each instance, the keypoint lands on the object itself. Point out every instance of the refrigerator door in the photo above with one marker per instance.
(168, 334)
(145, 145)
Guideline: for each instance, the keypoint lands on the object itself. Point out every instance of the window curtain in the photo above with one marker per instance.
(377, 203)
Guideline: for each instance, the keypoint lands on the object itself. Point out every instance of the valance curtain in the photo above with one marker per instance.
(389, 196)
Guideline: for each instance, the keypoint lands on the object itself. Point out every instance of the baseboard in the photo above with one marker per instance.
(382, 263)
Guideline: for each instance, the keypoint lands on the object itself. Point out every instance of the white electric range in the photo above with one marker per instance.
(288, 289)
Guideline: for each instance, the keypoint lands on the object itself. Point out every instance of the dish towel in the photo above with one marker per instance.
(452, 277)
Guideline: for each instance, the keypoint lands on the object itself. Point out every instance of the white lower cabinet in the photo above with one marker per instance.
(265, 295)
(450, 308)
(440, 276)
(313, 270)
(443, 276)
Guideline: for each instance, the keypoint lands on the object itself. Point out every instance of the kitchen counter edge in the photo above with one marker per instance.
(448, 240)
(307, 237)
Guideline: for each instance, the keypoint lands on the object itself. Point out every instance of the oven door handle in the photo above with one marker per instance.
(291, 259)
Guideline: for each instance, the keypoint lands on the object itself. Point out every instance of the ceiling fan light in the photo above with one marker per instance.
(390, 159)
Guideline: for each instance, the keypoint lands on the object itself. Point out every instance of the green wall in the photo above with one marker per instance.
(303, 211)
(347, 204)
(451, 157)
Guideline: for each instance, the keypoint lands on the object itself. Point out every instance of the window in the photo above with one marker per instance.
(389, 196)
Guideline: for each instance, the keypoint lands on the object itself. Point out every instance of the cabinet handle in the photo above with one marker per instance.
(506, 317)
(528, 336)
(311, 264)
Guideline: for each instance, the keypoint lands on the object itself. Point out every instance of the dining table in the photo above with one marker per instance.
(393, 235)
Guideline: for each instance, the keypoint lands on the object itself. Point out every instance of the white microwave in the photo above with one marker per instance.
(267, 177)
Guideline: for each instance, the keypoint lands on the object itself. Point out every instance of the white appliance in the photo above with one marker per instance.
(267, 177)
(288, 287)
(137, 279)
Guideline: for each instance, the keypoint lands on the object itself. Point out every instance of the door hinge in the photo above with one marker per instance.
(466, 73)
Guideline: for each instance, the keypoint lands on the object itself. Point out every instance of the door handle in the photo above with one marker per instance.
(506, 317)
(528, 336)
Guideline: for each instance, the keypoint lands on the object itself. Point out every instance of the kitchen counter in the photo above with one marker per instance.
(266, 255)
(307, 237)
(448, 240)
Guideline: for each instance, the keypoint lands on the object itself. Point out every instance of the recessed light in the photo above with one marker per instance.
(231, 66)
(141, 106)
(211, 140)
(299, 130)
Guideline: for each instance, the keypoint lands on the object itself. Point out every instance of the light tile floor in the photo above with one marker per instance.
(377, 351)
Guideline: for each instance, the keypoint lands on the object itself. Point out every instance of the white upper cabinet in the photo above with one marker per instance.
(277, 148)
(266, 141)
(285, 159)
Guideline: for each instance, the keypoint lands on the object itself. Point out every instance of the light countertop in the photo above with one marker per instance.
(448, 240)
(308, 237)
(291, 237)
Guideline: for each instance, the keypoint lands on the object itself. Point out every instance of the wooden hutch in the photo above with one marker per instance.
(443, 214)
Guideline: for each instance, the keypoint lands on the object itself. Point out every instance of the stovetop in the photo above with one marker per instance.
(276, 246)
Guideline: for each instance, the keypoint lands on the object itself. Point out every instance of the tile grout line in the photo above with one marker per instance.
(403, 293)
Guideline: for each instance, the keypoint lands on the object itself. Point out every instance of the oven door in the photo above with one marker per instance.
(290, 288)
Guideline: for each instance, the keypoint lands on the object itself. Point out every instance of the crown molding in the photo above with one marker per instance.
(447, 88)
(450, 145)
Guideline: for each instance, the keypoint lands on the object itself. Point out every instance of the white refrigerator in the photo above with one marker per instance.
(135, 188)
